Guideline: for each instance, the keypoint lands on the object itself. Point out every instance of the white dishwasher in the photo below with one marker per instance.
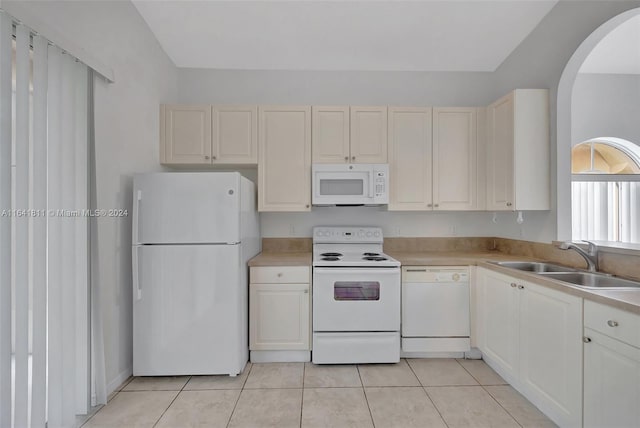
(435, 310)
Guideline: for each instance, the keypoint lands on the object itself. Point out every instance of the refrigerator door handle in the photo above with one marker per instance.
(136, 215)
(137, 291)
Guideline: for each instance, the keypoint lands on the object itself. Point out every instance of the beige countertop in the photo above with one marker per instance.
(281, 259)
(628, 300)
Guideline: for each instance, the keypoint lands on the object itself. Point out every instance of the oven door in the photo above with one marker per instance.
(356, 299)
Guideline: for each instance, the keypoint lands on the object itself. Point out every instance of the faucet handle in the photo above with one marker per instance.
(593, 248)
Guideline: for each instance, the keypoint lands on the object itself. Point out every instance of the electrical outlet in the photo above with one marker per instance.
(292, 230)
(397, 230)
(453, 231)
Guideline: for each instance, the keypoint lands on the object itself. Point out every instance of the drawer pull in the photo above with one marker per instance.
(514, 285)
(612, 323)
(586, 339)
(416, 270)
(279, 274)
(520, 287)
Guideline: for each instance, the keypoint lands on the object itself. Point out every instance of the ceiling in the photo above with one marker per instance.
(618, 52)
(448, 35)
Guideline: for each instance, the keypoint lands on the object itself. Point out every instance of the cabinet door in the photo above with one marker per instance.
(611, 383)
(498, 319)
(185, 134)
(410, 159)
(551, 351)
(330, 134)
(279, 317)
(368, 134)
(455, 159)
(284, 166)
(235, 135)
(500, 179)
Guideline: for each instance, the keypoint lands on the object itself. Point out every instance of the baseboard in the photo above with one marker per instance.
(116, 383)
(431, 354)
(280, 356)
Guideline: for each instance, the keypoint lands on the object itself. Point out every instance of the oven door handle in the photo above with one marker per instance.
(386, 271)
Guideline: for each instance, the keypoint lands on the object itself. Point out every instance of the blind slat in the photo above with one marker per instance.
(39, 235)
(5, 221)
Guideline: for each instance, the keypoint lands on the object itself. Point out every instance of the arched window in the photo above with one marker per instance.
(605, 190)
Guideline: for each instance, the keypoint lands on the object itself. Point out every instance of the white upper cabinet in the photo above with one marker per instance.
(330, 134)
(205, 134)
(455, 172)
(235, 135)
(433, 159)
(284, 158)
(185, 134)
(368, 134)
(410, 148)
(518, 151)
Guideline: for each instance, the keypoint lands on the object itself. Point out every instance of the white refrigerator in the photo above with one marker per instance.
(192, 235)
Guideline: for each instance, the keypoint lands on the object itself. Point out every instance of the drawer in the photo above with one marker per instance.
(280, 274)
(613, 322)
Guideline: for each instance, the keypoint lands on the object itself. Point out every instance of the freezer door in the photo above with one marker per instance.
(185, 208)
(189, 310)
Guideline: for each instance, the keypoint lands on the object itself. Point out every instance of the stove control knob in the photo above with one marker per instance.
(456, 277)
(376, 234)
(360, 233)
(369, 234)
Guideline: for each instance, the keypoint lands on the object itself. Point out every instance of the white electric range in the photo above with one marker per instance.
(356, 297)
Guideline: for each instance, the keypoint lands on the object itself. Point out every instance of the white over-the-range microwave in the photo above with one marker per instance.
(350, 184)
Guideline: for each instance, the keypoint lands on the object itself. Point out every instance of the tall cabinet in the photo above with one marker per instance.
(284, 158)
(518, 151)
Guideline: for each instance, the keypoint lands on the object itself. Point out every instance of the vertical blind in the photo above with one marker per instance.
(606, 210)
(43, 231)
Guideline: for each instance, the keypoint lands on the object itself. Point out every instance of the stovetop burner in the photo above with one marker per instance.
(370, 254)
(374, 259)
(330, 259)
(331, 255)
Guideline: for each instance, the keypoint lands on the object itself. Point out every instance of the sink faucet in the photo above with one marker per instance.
(590, 256)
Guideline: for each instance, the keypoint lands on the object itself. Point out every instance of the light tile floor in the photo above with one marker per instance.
(413, 393)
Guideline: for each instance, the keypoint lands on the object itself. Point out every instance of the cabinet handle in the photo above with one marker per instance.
(353, 158)
(416, 270)
(306, 291)
(206, 157)
(307, 206)
(279, 274)
(508, 204)
(436, 205)
(429, 205)
(213, 157)
(346, 158)
(520, 287)
(586, 339)
(514, 285)
(612, 323)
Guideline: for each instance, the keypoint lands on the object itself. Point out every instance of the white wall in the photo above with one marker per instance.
(606, 105)
(537, 63)
(127, 135)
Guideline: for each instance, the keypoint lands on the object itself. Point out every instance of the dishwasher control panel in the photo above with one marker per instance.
(437, 275)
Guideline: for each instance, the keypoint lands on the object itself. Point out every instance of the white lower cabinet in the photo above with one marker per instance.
(279, 313)
(611, 367)
(532, 336)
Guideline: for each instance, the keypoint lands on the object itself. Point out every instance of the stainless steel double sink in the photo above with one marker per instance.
(580, 278)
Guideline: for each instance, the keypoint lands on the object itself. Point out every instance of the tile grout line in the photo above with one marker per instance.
(424, 388)
(172, 401)
(304, 372)
(364, 392)
(490, 395)
(235, 405)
